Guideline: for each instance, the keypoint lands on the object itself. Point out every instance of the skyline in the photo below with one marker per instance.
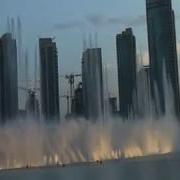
(91, 96)
(77, 19)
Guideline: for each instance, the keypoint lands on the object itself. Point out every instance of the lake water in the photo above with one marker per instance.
(151, 168)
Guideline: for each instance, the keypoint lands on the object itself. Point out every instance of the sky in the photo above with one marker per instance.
(71, 21)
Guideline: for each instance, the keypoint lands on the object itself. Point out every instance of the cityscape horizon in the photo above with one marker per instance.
(100, 107)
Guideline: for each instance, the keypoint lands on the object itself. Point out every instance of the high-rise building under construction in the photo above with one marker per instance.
(162, 51)
(126, 60)
(92, 82)
(49, 80)
(8, 78)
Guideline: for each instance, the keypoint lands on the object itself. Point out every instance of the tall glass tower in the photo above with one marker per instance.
(49, 80)
(92, 79)
(126, 60)
(163, 52)
(8, 78)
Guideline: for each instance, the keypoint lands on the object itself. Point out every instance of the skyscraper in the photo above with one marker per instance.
(162, 50)
(49, 80)
(113, 106)
(77, 103)
(92, 82)
(32, 106)
(126, 60)
(8, 78)
(144, 92)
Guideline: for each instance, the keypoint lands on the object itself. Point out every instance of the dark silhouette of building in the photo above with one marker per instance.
(8, 78)
(92, 83)
(22, 114)
(126, 60)
(32, 106)
(162, 50)
(144, 102)
(77, 104)
(113, 105)
(49, 80)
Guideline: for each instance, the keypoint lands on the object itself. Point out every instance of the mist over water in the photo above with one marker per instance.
(31, 143)
(38, 144)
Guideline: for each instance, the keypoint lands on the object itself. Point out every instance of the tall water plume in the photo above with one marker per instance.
(34, 143)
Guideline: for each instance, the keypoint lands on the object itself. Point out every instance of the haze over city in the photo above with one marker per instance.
(90, 87)
(76, 19)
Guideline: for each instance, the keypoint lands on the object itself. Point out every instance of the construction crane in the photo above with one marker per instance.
(32, 104)
(71, 82)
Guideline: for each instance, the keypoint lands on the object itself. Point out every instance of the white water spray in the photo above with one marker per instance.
(33, 144)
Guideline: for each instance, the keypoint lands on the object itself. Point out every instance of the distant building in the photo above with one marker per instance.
(144, 92)
(162, 50)
(8, 78)
(77, 104)
(49, 80)
(22, 114)
(32, 106)
(92, 83)
(113, 105)
(126, 60)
